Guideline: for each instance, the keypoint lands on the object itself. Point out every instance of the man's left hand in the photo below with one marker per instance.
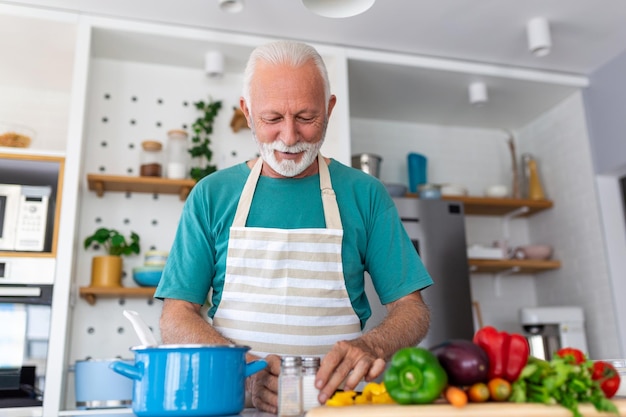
(348, 362)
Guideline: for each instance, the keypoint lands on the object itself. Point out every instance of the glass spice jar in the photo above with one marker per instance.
(310, 366)
(151, 159)
(177, 154)
(290, 387)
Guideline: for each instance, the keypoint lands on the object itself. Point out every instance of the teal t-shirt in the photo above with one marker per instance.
(374, 239)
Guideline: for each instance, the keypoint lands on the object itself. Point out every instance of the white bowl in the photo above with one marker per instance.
(453, 190)
(497, 191)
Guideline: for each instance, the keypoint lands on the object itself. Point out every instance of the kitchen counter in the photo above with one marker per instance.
(471, 410)
(429, 410)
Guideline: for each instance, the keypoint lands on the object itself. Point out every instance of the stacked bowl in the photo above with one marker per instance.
(149, 274)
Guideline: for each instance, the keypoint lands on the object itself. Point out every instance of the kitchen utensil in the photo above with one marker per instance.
(141, 328)
(147, 276)
(98, 386)
(188, 380)
(368, 163)
(417, 165)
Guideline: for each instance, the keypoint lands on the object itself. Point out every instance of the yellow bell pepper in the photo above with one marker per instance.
(373, 393)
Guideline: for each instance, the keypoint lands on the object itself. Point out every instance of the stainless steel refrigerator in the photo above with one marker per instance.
(437, 229)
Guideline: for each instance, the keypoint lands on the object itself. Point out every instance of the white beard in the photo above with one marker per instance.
(288, 168)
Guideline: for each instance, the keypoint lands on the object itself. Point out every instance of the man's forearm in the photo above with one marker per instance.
(406, 324)
(181, 323)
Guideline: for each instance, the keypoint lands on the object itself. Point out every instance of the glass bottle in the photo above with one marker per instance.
(534, 189)
(310, 365)
(150, 158)
(177, 154)
(290, 386)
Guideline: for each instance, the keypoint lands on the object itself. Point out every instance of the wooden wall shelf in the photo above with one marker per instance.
(154, 185)
(92, 293)
(516, 266)
(486, 206)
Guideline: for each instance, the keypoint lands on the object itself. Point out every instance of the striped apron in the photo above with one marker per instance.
(284, 290)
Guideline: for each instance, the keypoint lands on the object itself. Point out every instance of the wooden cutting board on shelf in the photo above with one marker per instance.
(490, 409)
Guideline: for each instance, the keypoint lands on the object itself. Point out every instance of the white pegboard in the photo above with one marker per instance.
(128, 103)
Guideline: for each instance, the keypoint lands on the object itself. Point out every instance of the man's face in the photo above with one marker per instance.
(288, 117)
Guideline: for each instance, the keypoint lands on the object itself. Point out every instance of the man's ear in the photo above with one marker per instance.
(246, 111)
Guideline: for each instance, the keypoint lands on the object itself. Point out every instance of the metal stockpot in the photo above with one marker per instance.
(368, 163)
(97, 386)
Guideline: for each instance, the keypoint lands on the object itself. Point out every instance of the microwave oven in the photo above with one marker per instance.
(23, 217)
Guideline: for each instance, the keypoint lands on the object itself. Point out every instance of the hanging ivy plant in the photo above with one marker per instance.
(201, 139)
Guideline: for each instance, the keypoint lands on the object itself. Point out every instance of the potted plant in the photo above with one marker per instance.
(201, 139)
(106, 270)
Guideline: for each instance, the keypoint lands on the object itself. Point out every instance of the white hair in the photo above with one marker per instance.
(292, 53)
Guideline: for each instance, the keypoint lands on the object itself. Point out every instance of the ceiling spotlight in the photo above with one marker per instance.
(231, 6)
(335, 8)
(214, 64)
(477, 93)
(538, 31)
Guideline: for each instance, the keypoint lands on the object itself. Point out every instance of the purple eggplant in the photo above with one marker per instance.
(464, 361)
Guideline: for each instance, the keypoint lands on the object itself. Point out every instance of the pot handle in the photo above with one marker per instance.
(128, 370)
(255, 366)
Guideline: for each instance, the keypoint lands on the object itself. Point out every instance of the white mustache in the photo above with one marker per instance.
(297, 148)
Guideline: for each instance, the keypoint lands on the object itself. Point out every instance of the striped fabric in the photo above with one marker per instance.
(284, 291)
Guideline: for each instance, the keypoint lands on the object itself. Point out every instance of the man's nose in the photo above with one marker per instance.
(290, 133)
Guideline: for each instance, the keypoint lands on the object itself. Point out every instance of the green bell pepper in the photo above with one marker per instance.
(415, 376)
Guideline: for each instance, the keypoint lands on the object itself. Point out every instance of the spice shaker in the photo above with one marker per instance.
(290, 386)
(177, 154)
(310, 365)
(150, 158)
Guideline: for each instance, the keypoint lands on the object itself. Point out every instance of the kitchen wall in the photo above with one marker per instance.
(477, 158)
(560, 140)
(604, 104)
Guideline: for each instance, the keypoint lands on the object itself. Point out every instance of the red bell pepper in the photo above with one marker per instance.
(576, 356)
(607, 376)
(507, 352)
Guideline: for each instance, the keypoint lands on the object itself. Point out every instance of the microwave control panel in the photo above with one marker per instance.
(31, 223)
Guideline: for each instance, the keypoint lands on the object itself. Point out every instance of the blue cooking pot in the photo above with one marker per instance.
(188, 380)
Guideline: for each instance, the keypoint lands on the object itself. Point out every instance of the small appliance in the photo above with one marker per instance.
(550, 328)
(23, 217)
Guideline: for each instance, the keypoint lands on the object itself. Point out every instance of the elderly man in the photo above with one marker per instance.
(281, 244)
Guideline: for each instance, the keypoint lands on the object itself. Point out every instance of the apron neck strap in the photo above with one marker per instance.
(329, 201)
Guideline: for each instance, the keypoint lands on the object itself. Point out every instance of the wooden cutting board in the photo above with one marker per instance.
(471, 410)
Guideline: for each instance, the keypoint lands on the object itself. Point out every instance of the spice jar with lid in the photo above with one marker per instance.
(290, 387)
(177, 154)
(150, 158)
(310, 366)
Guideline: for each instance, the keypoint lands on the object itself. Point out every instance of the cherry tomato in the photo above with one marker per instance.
(499, 389)
(575, 355)
(478, 392)
(607, 376)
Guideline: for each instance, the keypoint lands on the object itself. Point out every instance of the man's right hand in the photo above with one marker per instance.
(263, 386)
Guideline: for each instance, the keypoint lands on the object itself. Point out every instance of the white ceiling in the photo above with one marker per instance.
(586, 34)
